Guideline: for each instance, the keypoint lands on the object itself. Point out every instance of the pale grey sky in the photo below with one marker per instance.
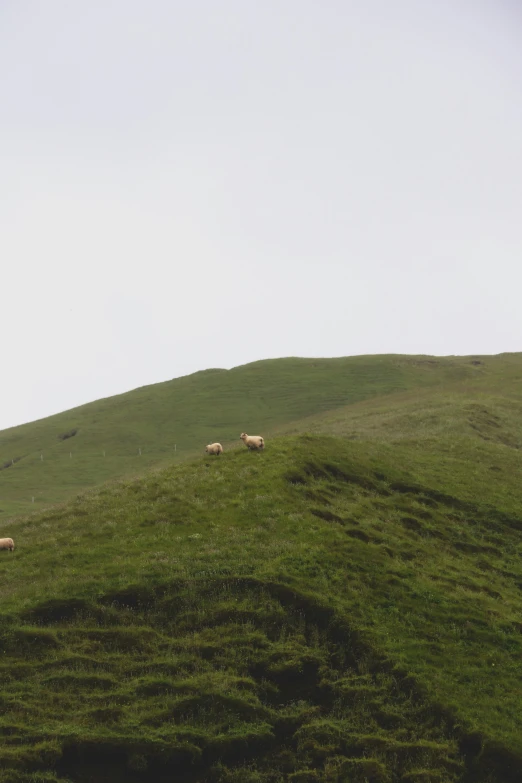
(201, 184)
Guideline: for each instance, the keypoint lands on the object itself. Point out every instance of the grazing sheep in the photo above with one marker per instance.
(255, 442)
(7, 543)
(214, 448)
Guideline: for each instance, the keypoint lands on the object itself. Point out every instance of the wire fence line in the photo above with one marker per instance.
(137, 451)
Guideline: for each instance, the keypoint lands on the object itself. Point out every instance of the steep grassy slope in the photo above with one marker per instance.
(187, 413)
(327, 610)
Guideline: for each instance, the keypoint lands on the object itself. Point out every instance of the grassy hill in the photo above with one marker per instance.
(344, 607)
(174, 421)
(306, 613)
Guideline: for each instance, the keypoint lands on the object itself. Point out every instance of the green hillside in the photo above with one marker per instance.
(326, 610)
(173, 421)
(344, 607)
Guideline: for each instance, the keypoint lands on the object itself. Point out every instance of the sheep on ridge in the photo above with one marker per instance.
(7, 543)
(214, 448)
(254, 442)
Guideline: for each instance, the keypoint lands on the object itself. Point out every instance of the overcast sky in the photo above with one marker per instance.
(199, 184)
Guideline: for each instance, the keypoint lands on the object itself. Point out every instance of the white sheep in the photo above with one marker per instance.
(214, 448)
(252, 441)
(7, 543)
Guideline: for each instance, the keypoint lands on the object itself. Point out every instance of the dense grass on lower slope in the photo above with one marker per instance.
(52, 459)
(307, 613)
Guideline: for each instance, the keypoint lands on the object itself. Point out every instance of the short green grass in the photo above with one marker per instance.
(327, 610)
(170, 422)
(345, 606)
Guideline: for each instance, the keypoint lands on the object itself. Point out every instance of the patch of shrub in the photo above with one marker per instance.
(68, 434)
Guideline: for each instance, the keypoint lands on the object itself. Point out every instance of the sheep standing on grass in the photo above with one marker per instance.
(7, 543)
(214, 448)
(254, 442)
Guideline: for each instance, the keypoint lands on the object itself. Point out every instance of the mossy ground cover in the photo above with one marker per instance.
(326, 610)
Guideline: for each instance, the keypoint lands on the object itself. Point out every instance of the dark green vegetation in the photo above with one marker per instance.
(345, 606)
(198, 409)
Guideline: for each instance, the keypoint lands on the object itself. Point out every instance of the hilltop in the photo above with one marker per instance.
(53, 459)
